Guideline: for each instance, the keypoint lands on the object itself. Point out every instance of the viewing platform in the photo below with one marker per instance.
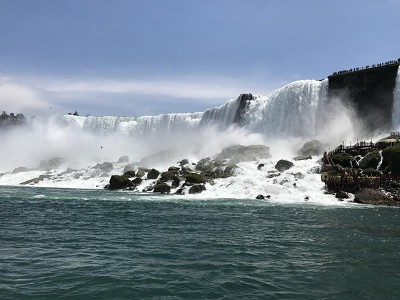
(378, 66)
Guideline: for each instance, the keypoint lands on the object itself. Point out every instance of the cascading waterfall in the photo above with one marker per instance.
(396, 104)
(136, 126)
(288, 112)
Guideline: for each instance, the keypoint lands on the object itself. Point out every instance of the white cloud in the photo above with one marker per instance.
(211, 91)
(18, 98)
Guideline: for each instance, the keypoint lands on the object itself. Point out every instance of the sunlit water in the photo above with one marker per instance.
(95, 244)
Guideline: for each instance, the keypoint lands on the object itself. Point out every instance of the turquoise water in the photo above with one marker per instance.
(79, 244)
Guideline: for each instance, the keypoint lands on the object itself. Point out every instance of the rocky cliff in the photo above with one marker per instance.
(369, 91)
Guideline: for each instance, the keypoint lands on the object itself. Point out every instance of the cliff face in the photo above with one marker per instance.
(369, 92)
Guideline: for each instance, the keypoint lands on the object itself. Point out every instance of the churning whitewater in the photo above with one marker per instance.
(74, 151)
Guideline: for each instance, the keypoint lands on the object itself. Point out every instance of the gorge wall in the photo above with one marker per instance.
(369, 91)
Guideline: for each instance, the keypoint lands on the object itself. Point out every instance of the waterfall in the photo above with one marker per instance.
(136, 126)
(396, 104)
(290, 111)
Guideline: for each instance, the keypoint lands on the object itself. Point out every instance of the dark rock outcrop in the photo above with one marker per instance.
(123, 159)
(391, 160)
(196, 189)
(194, 178)
(161, 187)
(310, 148)
(137, 181)
(283, 165)
(153, 174)
(129, 174)
(244, 101)
(371, 160)
(341, 195)
(129, 167)
(239, 153)
(369, 92)
(118, 182)
(19, 170)
(106, 167)
(374, 197)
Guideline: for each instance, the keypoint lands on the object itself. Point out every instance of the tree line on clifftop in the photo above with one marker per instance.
(7, 120)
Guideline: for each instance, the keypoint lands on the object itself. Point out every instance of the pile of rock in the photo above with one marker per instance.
(185, 177)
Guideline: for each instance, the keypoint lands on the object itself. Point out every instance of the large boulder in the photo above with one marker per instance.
(341, 195)
(106, 167)
(310, 148)
(137, 181)
(153, 174)
(162, 188)
(371, 160)
(194, 178)
(118, 182)
(169, 175)
(391, 160)
(129, 167)
(283, 165)
(183, 162)
(205, 165)
(239, 153)
(19, 170)
(374, 197)
(343, 159)
(198, 188)
(129, 174)
(123, 159)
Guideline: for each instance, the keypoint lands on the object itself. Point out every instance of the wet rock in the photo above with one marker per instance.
(196, 189)
(106, 167)
(142, 171)
(371, 160)
(193, 178)
(123, 159)
(299, 158)
(162, 188)
(129, 167)
(341, 195)
(205, 165)
(118, 182)
(374, 197)
(19, 170)
(343, 159)
(137, 181)
(298, 175)
(283, 165)
(391, 160)
(183, 162)
(272, 175)
(129, 174)
(260, 166)
(167, 176)
(315, 170)
(260, 197)
(310, 148)
(35, 180)
(230, 170)
(153, 174)
(239, 153)
(175, 182)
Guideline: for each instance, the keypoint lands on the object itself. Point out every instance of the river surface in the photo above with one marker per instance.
(95, 244)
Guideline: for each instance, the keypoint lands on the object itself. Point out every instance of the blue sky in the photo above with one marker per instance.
(134, 57)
